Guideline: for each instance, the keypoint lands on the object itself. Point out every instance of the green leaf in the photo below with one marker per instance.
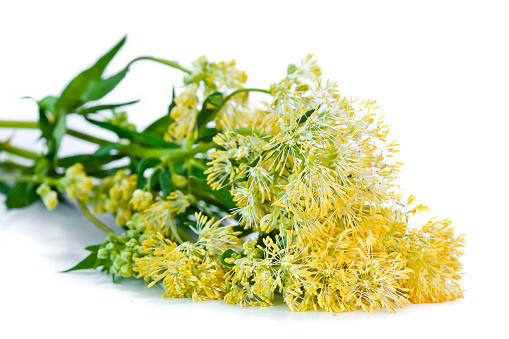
(144, 138)
(91, 162)
(4, 189)
(207, 134)
(227, 254)
(48, 104)
(102, 173)
(306, 115)
(71, 97)
(21, 195)
(94, 109)
(106, 149)
(291, 69)
(90, 262)
(202, 190)
(160, 126)
(173, 103)
(209, 110)
(142, 165)
(99, 88)
(52, 125)
(92, 248)
(165, 181)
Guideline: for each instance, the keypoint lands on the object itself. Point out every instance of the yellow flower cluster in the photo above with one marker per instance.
(311, 178)
(207, 78)
(76, 183)
(113, 195)
(315, 178)
(190, 270)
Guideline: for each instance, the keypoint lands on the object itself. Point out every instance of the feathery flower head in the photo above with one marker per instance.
(214, 237)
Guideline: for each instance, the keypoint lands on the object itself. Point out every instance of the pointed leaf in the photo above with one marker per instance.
(160, 126)
(209, 110)
(71, 97)
(106, 149)
(220, 197)
(52, 125)
(165, 181)
(142, 165)
(90, 162)
(144, 138)
(94, 109)
(99, 88)
(21, 195)
(4, 189)
(89, 262)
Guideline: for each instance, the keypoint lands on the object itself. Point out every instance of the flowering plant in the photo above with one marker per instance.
(227, 199)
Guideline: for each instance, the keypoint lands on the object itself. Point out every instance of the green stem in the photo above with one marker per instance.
(170, 63)
(72, 132)
(174, 231)
(245, 90)
(197, 164)
(89, 138)
(251, 131)
(11, 165)
(167, 153)
(93, 219)
(36, 179)
(18, 151)
(21, 178)
(19, 124)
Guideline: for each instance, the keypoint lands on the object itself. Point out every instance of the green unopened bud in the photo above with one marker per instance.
(291, 69)
(178, 180)
(102, 253)
(126, 270)
(126, 255)
(115, 193)
(301, 88)
(48, 196)
(141, 199)
(43, 190)
(131, 243)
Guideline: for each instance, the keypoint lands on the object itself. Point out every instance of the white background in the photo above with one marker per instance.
(439, 70)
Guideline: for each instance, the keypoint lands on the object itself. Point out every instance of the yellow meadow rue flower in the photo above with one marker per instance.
(113, 195)
(214, 237)
(374, 281)
(432, 253)
(49, 197)
(216, 76)
(182, 273)
(156, 218)
(76, 183)
(231, 163)
(141, 200)
(184, 115)
(179, 202)
(253, 278)
(307, 70)
(312, 172)
(250, 209)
